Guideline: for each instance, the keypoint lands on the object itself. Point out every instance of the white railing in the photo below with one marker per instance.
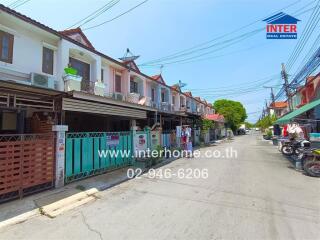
(133, 97)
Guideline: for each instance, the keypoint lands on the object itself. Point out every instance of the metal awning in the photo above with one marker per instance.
(287, 118)
(11, 86)
(75, 105)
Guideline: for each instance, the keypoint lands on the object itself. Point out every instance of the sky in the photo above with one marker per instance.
(159, 28)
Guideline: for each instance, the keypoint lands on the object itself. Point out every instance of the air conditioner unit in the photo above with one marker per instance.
(118, 96)
(40, 80)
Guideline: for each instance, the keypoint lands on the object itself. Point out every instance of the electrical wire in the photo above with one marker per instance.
(219, 37)
(307, 31)
(116, 17)
(312, 63)
(14, 3)
(95, 14)
(233, 41)
(262, 80)
(211, 57)
(19, 5)
(308, 55)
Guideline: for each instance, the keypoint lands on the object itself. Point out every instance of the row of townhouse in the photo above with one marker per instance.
(305, 106)
(39, 85)
(303, 95)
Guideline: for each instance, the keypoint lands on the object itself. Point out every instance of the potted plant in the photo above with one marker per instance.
(267, 135)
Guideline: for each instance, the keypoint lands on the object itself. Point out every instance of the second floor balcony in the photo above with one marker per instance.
(165, 106)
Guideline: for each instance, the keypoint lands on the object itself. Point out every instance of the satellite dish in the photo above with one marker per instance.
(181, 84)
(128, 56)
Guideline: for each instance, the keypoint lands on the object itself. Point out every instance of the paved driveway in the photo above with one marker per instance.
(254, 195)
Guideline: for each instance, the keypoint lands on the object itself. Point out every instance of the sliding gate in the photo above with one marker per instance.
(26, 164)
(92, 153)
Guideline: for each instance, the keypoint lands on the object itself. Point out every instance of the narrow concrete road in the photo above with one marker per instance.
(254, 195)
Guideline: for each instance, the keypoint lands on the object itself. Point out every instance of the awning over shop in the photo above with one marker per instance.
(215, 117)
(75, 105)
(287, 118)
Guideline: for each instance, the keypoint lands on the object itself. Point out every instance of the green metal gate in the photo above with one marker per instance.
(92, 153)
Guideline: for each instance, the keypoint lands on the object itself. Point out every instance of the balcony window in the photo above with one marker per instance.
(47, 60)
(173, 100)
(133, 87)
(102, 75)
(152, 94)
(6, 47)
(118, 83)
(83, 71)
(162, 97)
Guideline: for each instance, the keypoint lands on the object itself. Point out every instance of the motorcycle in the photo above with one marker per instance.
(294, 147)
(311, 163)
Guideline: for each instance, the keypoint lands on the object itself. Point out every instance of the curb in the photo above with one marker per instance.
(20, 218)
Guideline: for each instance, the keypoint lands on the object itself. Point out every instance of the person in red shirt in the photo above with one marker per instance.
(285, 131)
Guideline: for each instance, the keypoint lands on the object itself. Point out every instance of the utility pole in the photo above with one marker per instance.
(272, 94)
(286, 85)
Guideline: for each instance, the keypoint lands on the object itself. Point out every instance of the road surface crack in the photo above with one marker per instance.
(84, 220)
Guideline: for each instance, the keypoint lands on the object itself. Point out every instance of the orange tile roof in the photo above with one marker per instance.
(215, 117)
(156, 77)
(283, 104)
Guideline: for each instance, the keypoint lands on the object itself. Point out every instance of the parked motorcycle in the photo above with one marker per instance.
(294, 147)
(311, 163)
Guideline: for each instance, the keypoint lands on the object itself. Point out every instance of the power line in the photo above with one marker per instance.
(116, 17)
(232, 42)
(219, 37)
(245, 85)
(210, 57)
(21, 4)
(312, 63)
(308, 55)
(17, 3)
(96, 13)
(307, 31)
(14, 3)
(214, 45)
(311, 24)
(235, 85)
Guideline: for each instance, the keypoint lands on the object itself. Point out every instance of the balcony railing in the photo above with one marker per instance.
(145, 101)
(165, 106)
(153, 104)
(133, 97)
(183, 108)
(96, 88)
(87, 86)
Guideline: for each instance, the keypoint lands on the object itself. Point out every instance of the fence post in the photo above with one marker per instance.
(133, 131)
(60, 154)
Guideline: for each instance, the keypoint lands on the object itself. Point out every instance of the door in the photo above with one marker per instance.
(84, 71)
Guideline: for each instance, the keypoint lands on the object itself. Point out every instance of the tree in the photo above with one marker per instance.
(233, 112)
(266, 122)
(249, 125)
(207, 124)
